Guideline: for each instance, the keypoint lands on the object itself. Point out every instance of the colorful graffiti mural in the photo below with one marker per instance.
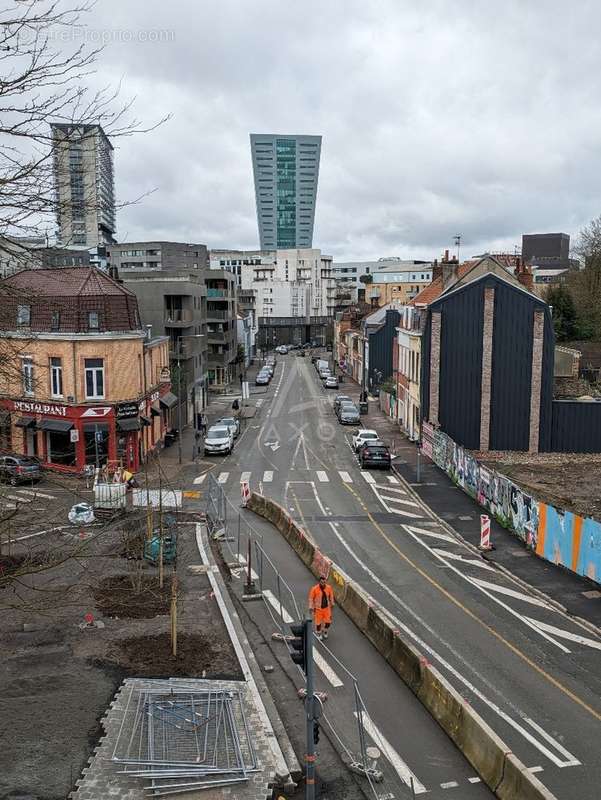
(556, 535)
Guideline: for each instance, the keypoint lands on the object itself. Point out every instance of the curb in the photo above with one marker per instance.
(492, 759)
(474, 549)
(287, 767)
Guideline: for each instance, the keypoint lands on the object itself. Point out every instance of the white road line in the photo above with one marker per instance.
(268, 476)
(368, 477)
(345, 476)
(459, 675)
(474, 780)
(37, 494)
(393, 489)
(527, 598)
(535, 769)
(200, 479)
(396, 762)
(242, 561)
(563, 634)
(245, 477)
(223, 476)
(391, 479)
(473, 561)
(18, 499)
(322, 476)
(322, 664)
(449, 785)
(400, 500)
(8, 506)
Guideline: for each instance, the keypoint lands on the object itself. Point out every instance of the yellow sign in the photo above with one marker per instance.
(192, 495)
(336, 577)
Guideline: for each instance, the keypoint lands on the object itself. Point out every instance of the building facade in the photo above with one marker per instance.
(286, 172)
(88, 387)
(158, 255)
(397, 285)
(84, 185)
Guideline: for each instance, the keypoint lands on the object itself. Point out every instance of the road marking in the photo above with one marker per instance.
(37, 494)
(259, 402)
(402, 501)
(391, 479)
(535, 769)
(391, 489)
(273, 601)
(396, 762)
(460, 676)
(368, 477)
(268, 476)
(527, 598)
(563, 634)
(9, 506)
(345, 476)
(200, 478)
(245, 477)
(18, 499)
(322, 476)
(473, 561)
(223, 476)
(444, 536)
(449, 785)
(474, 780)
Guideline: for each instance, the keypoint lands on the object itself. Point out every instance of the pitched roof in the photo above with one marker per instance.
(67, 282)
(433, 290)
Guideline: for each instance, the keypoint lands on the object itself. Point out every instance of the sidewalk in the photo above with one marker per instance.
(579, 596)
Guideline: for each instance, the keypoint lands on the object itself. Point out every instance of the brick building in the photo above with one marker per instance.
(79, 382)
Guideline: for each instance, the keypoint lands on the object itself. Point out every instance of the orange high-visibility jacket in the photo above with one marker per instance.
(315, 596)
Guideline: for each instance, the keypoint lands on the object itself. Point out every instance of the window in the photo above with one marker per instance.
(94, 371)
(23, 316)
(27, 374)
(56, 377)
(55, 321)
(93, 320)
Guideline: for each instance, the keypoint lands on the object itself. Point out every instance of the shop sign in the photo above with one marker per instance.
(164, 375)
(154, 396)
(39, 408)
(102, 411)
(126, 410)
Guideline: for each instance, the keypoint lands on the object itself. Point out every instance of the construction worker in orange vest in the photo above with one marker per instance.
(321, 603)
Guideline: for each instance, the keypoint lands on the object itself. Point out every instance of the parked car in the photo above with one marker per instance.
(232, 423)
(282, 349)
(269, 369)
(363, 435)
(15, 469)
(374, 454)
(348, 414)
(324, 373)
(331, 382)
(341, 398)
(219, 439)
(262, 379)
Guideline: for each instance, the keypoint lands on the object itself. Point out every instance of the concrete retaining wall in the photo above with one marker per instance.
(502, 772)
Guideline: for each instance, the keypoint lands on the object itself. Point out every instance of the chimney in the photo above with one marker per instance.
(449, 270)
(446, 257)
(436, 270)
(524, 275)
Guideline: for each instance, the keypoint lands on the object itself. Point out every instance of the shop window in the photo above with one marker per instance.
(23, 316)
(56, 377)
(93, 321)
(94, 373)
(27, 375)
(60, 448)
(96, 441)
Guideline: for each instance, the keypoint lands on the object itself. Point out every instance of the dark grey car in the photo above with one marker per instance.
(348, 414)
(15, 469)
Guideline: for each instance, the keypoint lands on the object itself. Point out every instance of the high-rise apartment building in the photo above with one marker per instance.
(286, 170)
(85, 185)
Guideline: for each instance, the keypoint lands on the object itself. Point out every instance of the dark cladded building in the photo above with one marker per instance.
(487, 368)
(546, 249)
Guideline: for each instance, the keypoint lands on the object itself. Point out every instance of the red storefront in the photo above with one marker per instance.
(70, 437)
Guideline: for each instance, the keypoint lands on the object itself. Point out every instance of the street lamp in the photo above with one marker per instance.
(178, 356)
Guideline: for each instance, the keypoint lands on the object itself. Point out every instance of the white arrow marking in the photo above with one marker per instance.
(399, 766)
(563, 634)
(275, 446)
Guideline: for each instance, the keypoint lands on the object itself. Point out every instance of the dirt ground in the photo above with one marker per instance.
(58, 679)
(570, 483)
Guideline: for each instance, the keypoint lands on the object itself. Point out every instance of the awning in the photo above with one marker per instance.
(168, 400)
(56, 425)
(129, 424)
(155, 409)
(25, 422)
(145, 420)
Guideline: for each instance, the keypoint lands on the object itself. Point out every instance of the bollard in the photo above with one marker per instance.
(485, 543)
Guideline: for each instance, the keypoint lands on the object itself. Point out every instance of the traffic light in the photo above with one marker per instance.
(315, 732)
(299, 645)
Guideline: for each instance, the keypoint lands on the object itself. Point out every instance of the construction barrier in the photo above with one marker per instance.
(485, 532)
(245, 492)
(502, 772)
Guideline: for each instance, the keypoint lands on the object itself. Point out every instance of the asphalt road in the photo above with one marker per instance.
(532, 672)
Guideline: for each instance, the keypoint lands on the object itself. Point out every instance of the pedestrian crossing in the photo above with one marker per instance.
(387, 487)
(12, 498)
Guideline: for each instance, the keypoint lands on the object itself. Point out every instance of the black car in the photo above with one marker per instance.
(374, 454)
(15, 469)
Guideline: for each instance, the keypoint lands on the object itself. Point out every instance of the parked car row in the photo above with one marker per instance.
(265, 374)
(370, 449)
(286, 348)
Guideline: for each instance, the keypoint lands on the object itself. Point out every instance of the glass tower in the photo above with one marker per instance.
(286, 169)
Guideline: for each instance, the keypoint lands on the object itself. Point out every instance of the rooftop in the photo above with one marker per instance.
(66, 282)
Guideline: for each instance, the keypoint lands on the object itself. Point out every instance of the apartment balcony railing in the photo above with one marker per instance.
(177, 316)
(216, 315)
(218, 336)
(222, 293)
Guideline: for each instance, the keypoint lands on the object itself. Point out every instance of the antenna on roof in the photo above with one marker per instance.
(457, 241)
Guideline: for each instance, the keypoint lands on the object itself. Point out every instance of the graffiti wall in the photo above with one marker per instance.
(556, 535)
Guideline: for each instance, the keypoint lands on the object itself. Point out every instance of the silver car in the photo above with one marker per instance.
(219, 440)
(232, 423)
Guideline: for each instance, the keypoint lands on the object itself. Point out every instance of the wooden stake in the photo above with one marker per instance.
(174, 615)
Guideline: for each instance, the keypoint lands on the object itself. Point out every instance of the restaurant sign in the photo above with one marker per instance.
(39, 408)
(126, 410)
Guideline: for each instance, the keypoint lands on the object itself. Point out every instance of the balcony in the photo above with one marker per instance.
(219, 293)
(216, 315)
(184, 349)
(178, 316)
(218, 336)
(219, 359)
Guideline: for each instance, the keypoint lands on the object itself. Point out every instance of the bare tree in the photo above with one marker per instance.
(585, 284)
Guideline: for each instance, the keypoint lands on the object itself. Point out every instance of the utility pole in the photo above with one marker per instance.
(179, 404)
(302, 654)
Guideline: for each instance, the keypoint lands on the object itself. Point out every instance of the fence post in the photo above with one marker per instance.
(238, 546)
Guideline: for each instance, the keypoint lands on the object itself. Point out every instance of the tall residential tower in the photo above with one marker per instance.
(286, 169)
(85, 186)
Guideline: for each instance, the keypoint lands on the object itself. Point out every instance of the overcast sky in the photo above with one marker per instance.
(437, 117)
